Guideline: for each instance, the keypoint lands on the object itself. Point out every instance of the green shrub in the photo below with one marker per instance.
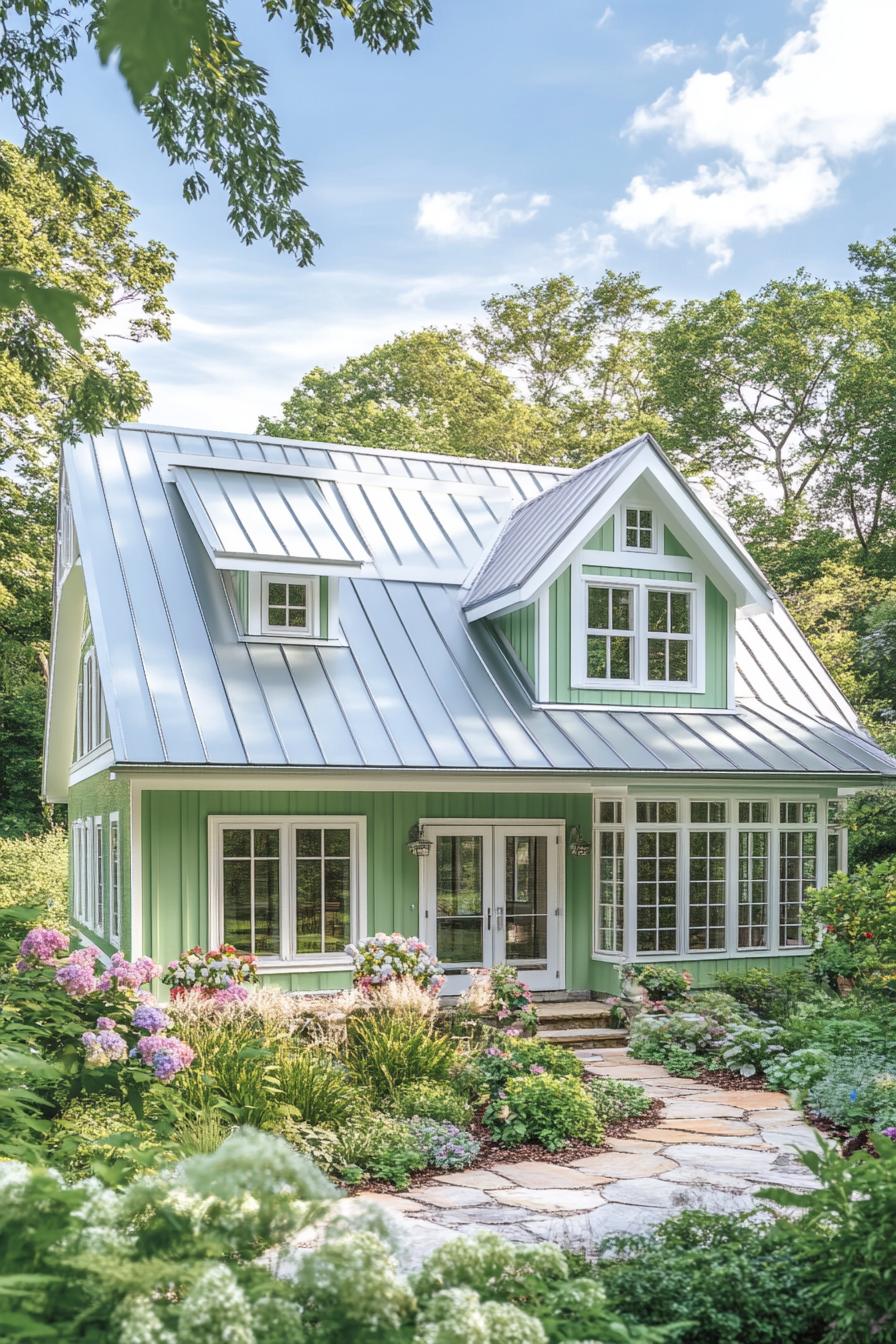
(682, 1041)
(323, 1146)
(380, 1146)
(858, 1022)
(748, 1048)
(34, 872)
(857, 916)
(101, 1129)
(543, 1109)
(433, 1101)
(771, 995)
(858, 1091)
(845, 1236)
(493, 1067)
(615, 1100)
(733, 1280)
(720, 1007)
(313, 1087)
(384, 1051)
(664, 984)
(798, 1071)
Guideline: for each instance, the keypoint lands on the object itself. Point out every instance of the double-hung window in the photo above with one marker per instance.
(610, 914)
(797, 867)
(707, 877)
(670, 635)
(753, 874)
(287, 888)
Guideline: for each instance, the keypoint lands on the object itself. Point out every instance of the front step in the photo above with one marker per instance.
(584, 1014)
(584, 1038)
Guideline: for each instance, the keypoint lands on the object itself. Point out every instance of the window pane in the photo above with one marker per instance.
(277, 594)
(645, 812)
(276, 616)
(337, 904)
(679, 660)
(308, 906)
(622, 608)
(266, 844)
(337, 843)
(631, 536)
(459, 941)
(610, 812)
(597, 656)
(656, 891)
(459, 875)
(297, 595)
(699, 811)
(620, 657)
(631, 517)
(297, 618)
(657, 611)
(267, 907)
(680, 613)
(598, 608)
(810, 813)
(308, 841)
(237, 885)
(707, 891)
(656, 660)
(237, 844)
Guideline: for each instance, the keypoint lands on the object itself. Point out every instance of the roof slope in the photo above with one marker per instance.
(415, 686)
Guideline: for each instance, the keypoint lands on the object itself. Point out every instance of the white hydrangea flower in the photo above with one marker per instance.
(215, 1310)
(138, 1323)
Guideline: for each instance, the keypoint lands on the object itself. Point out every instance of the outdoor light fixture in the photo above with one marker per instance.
(417, 842)
(578, 845)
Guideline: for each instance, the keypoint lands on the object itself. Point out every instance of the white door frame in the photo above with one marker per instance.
(494, 832)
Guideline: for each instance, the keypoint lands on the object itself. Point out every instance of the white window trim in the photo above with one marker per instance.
(640, 587)
(115, 904)
(684, 827)
(257, 627)
(619, 523)
(91, 719)
(288, 959)
(97, 878)
(78, 874)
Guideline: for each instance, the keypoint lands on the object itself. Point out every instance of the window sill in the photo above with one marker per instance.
(279, 966)
(649, 958)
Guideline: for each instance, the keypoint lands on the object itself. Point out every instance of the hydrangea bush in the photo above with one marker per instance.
(389, 956)
(498, 991)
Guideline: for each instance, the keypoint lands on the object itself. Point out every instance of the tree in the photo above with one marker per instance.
(50, 392)
(422, 391)
(786, 395)
(581, 354)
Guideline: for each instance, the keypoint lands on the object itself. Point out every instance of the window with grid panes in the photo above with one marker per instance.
(610, 876)
(287, 606)
(753, 857)
(669, 635)
(836, 836)
(707, 878)
(250, 859)
(638, 534)
(656, 877)
(323, 889)
(610, 633)
(797, 867)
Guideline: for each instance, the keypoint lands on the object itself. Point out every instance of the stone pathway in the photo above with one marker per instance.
(711, 1150)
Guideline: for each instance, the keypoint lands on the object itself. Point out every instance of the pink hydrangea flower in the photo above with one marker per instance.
(103, 1047)
(124, 974)
(232, 994)
(76, 976)
(39, 948)
(513, 1031)
(536, 1068)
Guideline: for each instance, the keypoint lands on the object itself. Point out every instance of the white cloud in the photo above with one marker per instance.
(605, 17)
(584, 247)
(667, 50)
(458, 214)
(732, 46)
(783, 145)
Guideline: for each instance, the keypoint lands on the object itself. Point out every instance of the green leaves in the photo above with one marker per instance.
(51, 303)
(152, 38)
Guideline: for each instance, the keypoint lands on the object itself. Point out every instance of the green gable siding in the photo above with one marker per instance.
(603, 537)
(175, 861)
(324, 607)
(99, 796)
(672, 546)
(560, 689)
(519, 628)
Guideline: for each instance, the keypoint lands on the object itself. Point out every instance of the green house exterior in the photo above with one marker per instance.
(300, 694)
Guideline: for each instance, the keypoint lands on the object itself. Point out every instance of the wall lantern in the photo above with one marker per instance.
(417, 842)
(579, 847)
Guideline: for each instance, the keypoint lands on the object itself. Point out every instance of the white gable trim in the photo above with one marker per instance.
(716, 550)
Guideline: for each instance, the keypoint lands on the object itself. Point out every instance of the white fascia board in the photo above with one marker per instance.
(281, 564)
(715, 551)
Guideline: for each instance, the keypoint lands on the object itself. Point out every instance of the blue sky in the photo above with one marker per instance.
(707, 145)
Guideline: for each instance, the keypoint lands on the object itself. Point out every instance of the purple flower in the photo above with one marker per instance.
(166, 1055)
(77, 976)
(124, 974)
(103, 1047)
(39, 948)
(233, 993)
(513, 1031)
(536, 1068)
(890, 1132)
(106, 1023)
(149, 1017)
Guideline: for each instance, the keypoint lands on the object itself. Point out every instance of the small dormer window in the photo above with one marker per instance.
(638, 532)
(288, 605)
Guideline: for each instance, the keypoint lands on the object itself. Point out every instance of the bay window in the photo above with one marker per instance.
(680, 877)
(288, 889)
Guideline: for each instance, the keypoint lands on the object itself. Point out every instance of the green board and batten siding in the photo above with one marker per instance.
(520, 629)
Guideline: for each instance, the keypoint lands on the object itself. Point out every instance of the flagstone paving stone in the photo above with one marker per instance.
(710, 1149)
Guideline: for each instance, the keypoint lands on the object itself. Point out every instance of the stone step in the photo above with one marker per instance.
(583, 1014)
(583, 1038)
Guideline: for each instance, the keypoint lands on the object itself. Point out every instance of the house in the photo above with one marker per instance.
(303, 692)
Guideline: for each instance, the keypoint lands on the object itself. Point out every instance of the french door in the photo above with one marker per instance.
(493, 894)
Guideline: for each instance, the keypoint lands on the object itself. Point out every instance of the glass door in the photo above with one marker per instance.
(494, 894)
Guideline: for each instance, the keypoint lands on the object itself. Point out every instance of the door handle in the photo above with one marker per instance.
(488, 919)
(499, 914)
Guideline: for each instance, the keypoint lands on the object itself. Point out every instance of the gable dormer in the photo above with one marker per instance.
(619, 587)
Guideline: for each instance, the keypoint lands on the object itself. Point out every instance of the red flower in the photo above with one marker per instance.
(869, 935)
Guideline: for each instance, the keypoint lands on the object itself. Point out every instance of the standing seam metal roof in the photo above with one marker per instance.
(414, 686)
